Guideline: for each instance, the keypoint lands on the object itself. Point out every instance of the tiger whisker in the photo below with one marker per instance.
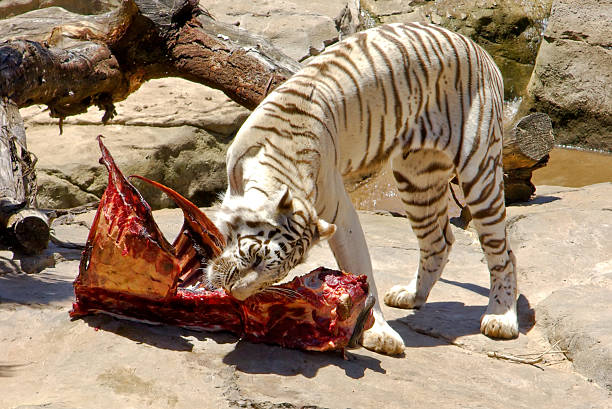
(220, 273)
(287, 292)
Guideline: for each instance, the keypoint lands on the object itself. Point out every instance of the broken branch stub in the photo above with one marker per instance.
(526, 148)
(528, 141)
(29, 228)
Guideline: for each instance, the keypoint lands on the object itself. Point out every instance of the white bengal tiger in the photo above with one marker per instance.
(427, 99)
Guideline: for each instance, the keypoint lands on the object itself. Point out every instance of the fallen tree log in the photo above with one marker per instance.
(28, 229)
(526, 148)
(99, 60)
(24, 229)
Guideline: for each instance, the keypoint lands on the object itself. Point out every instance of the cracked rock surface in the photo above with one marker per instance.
(299, 28)
(565, 282)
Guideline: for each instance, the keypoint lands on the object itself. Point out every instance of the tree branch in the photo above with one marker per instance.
(99, 60)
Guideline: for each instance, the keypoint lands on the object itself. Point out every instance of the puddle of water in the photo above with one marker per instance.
(574, 168)
(377, 193)
(380, 193)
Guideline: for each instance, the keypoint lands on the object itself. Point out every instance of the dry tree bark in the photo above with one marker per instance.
(23, 227)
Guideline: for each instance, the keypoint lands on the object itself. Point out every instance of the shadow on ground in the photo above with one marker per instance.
(13, 262)
(538, 200)
(160, 336)
(246, 357)
(266, 359)
(34, 288)
(452, 320)
(8, 370)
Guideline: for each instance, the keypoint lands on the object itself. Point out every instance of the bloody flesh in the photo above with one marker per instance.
(129, 269)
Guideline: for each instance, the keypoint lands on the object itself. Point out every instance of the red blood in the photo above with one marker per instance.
(129, 269)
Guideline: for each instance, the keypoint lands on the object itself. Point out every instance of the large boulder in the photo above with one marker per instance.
(572, 80)
(9, 8)
(509, 30)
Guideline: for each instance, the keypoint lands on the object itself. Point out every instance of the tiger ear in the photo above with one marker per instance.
(285, 204)
(325, 230)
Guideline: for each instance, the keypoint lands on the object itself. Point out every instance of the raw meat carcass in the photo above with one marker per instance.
(128, 269)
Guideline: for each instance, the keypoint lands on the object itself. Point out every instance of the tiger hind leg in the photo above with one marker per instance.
(422, 179)
(484, 195)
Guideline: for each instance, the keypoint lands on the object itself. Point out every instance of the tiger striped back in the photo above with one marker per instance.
(425, 99)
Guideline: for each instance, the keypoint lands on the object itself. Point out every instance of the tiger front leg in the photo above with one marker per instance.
(351, 252)
(500, 319)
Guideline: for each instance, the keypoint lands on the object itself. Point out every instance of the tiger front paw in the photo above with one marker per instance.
(383, 339)
(403, 296)
(500, 325)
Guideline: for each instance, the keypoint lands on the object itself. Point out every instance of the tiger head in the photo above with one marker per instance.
(264, 243)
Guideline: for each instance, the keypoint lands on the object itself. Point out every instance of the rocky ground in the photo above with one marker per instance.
(561, 239)
(171, 128)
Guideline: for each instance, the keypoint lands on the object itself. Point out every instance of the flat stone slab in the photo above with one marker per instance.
(579, 319)
(50, 361)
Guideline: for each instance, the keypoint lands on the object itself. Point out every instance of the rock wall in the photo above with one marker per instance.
(556, 55)
(509, 30)
(572, 80)
(170, 130)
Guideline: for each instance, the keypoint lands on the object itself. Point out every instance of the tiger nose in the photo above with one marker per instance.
(244, 287)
